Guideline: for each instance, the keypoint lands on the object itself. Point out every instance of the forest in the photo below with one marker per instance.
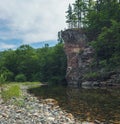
(47, 64)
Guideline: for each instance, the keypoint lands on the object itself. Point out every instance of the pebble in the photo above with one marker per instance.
(4, 115)
(33, 111)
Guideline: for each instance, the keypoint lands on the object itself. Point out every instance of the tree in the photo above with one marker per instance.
(80, 11)
(52, 63)
(76, 16)
(69, 16)
(9, 62)
(59, 37)
(107, 45)
(28, 64)
(101, 15)
(27, 61)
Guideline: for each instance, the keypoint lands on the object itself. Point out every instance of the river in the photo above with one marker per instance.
(86, 104)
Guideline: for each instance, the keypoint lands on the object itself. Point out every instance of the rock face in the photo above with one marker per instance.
(79, 55)
(81, 70)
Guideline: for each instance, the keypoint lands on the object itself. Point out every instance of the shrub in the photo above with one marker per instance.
(20, 78)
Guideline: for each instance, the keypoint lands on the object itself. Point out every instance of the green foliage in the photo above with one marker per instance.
(52, 63)
(60, 37)
(80, 9)
(76, 14)
(2, 78)
(20, 78)
(92, 76)
(28, 64)
(8, 75)
(69, 16)
(100, 16)
(12, 91)
(103, 29)
(107, 45)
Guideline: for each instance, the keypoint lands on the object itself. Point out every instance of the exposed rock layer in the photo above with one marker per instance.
(79, 55)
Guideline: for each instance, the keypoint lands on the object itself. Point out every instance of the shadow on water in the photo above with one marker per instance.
(85, 104)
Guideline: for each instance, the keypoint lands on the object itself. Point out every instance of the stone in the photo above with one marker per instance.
(19, 122)
(97, 122)
(91, 84)
(5, 115)
(51, 118)
(69, 115)
(36, 114)
(87, 83)
(56, 107)
(50, 100)
(19, 111)
(1, 116)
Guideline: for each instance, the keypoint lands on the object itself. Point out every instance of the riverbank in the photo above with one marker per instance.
(29, 110)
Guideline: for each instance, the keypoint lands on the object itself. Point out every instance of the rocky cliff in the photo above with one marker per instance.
(79, 55)
(80, 58)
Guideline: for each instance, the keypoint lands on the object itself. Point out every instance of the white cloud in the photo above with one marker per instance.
(7, 46)
(33, 20)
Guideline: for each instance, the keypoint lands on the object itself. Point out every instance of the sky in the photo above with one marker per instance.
(31, 22)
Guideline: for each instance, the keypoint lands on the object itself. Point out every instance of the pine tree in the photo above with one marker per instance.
(80, 11)
(69, 16)
(60, 37)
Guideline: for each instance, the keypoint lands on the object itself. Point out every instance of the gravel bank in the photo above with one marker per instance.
(30, 110)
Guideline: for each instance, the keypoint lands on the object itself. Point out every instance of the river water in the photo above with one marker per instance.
(86, 104)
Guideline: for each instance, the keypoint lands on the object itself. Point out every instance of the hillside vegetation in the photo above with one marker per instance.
(47, 64)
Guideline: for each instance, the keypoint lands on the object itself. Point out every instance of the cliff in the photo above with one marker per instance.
(79, 55)
(80, 59)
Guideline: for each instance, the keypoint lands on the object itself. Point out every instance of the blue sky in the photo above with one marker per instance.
(31, 22)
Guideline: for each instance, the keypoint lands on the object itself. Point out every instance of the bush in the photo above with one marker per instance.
(20, 78)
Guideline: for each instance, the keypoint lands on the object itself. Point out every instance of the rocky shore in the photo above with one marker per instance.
(30, 110)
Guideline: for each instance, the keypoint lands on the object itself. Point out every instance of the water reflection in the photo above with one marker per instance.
(85, 104)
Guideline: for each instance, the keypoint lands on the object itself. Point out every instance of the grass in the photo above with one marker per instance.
(22, 83)
(13, 90)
